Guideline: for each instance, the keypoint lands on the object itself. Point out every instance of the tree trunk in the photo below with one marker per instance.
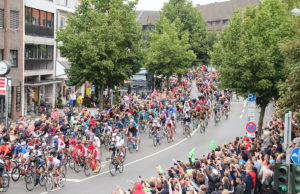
(168, 83)
(179, 77)
(100, 96)
(261, 118)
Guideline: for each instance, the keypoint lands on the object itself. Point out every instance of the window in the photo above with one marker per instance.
(1, 18)
(43, 18)
(14, 19)
(225, 22)
(49, 20)
(35, 17)
(13, 58)
(38, 52)
(1, 55)
(28, 15)
(62, 21)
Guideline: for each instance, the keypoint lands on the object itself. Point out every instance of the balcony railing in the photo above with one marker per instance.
(39, 64)
(42, 31)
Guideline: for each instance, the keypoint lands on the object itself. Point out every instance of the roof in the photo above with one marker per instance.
(223, 10)
(65, 64)
(147, 17)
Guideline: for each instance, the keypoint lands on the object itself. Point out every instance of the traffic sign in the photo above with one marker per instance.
(3, 84)
(251, 127)
(251, 98)
(296, 155)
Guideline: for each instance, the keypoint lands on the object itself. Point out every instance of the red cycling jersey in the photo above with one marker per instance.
(80, 148)
(74, 143)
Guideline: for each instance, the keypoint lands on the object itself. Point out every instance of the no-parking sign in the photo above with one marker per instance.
(251, 127)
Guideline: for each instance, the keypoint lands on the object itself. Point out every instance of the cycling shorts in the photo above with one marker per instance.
(1, 170)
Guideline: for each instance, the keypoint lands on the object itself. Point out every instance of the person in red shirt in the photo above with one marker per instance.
(93, 153)
(252, 174)
(80, 149)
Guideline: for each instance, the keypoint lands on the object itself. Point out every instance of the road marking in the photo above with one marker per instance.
(241, 116)
(73, 180)
(243, 110)
(133, 162)
(51, 191)
(245, 102)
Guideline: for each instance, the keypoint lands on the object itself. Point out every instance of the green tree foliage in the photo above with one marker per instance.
(190, 20)
(103, 43)
(290, 89)
(248, 54)
(168, 53)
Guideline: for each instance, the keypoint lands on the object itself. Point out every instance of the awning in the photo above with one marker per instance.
(42, 83)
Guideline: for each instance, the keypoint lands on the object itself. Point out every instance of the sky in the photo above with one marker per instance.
(156, 5)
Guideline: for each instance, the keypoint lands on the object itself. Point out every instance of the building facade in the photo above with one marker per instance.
(218, 14)
(11, 50)
(40, 45)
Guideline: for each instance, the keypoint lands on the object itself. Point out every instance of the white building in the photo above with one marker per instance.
(40, 46)
(63, 8)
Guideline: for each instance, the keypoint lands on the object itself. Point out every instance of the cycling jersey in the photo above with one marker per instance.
(81, 149)
(55, 162)
(20, 150)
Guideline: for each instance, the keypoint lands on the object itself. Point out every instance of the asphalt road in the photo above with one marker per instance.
(144, 162)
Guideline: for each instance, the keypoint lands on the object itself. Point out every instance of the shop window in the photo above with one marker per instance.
(13, 58)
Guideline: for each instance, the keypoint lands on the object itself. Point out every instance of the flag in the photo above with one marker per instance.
(160, 170)
(212, 145)
(191, 155)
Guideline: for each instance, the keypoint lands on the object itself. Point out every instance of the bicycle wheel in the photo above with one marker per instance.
(30, 182)
(168, 137)
(112, 168)
(28, 174)
(87, 169)
(5, 180)
(155, 141)
(121, 167)
(49, 183)
(99, 167)
(77, 166)
(72, 162)
(62, 180)
(65, 160)
(15, 174)
(43, 179)
(129, 146)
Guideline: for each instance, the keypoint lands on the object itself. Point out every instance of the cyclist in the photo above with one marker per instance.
(132, 132)
(19, 151)
(187, 120)
(169, 127)
(2, 169)
(93, 153)
(80, 150)
(54, 164)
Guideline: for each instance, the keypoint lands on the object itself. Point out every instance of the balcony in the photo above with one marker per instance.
(41, 31)
(38, 64)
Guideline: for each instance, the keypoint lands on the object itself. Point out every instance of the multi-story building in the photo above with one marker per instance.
(63, 8)
(218, 14)
(11, 50)
(40, 45)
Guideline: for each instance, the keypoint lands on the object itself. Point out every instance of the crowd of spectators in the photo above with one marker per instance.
(244, 166)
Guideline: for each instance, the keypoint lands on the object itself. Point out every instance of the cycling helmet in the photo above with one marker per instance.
(90, 141)
(18, 145)
(44, 144)
(30, 148)
(79, 142)
(50, 158)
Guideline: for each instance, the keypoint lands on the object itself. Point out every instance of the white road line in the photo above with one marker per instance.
(73, 180)
(44, 192)
(243, 110)
(245, 102)
(241, 116)
(130, 163)
(51, 191)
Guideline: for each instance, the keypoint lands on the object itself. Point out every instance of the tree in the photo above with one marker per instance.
(248, 54)
(103, 43)
(167, 53)
(290, 89)
(190, 20)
